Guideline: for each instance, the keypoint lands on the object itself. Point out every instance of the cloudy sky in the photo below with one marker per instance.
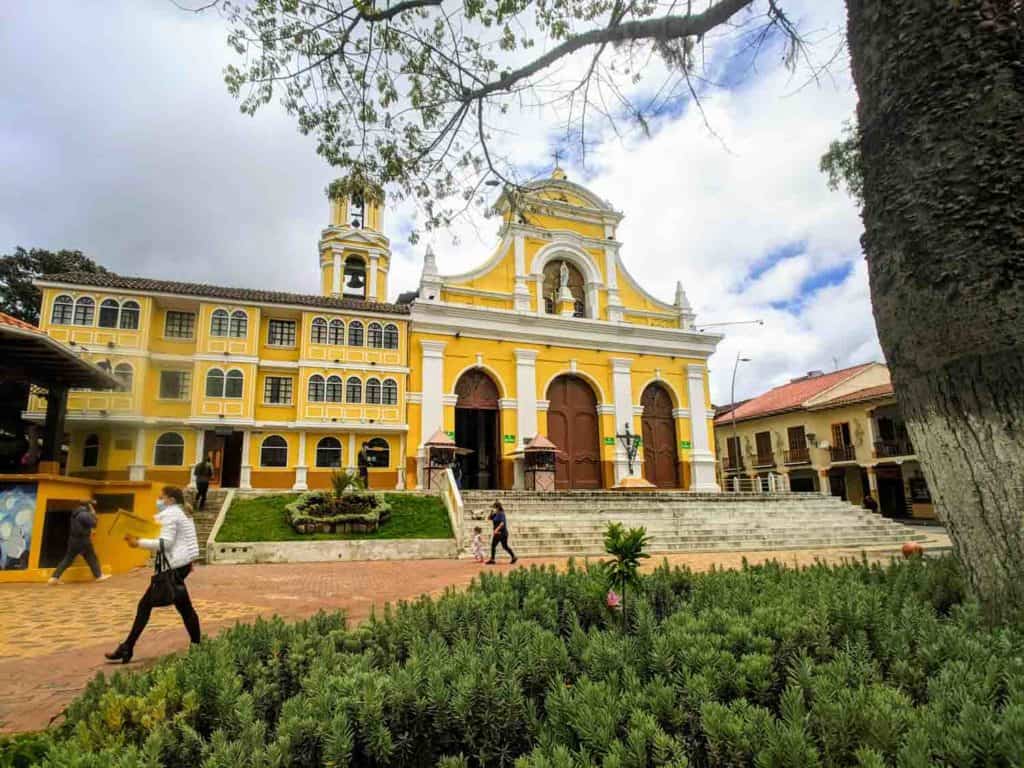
(118, 138)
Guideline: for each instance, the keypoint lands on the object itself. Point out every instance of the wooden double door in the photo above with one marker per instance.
(573, 427)
(661, 467)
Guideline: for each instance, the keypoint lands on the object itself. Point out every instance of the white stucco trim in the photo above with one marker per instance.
(593, 382)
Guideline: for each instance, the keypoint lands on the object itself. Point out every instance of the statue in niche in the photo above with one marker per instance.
(563, 274)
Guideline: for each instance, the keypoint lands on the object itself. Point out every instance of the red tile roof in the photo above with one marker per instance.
(868, 393)
(789, 397)
(14, 322)
(221, 292)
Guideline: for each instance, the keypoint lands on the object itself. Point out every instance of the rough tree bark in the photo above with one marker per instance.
(941, 85)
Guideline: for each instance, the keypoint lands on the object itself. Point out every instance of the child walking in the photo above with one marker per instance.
(478, 545)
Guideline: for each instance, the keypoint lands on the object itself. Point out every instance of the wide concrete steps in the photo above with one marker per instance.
(574, 523)
(206, 517)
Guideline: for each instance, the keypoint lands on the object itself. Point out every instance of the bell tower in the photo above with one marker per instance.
(354, 253)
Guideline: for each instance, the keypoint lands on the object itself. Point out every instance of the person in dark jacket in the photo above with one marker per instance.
(869, 503)
(83, 524)
(500, 533)
(203, 472)
(364, 465)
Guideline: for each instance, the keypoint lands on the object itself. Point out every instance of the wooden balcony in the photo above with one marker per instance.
(885, 449)
(732, 464)
(843, 453)
(765, 460)
(798, 456)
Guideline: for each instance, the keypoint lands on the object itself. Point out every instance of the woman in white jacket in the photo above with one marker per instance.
(181, 547)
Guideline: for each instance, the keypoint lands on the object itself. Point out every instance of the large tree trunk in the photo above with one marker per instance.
(941, 85)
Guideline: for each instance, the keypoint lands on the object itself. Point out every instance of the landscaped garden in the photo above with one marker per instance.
(265, 518)
(857, 665)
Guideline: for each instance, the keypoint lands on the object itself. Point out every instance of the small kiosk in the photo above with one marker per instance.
(441, 451)
(539, 464)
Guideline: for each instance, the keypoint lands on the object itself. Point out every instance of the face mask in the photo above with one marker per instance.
(160, 505)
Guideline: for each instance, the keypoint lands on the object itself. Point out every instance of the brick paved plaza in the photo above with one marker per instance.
(53, 638)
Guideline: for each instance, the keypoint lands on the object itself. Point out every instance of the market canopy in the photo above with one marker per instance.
(27, 354)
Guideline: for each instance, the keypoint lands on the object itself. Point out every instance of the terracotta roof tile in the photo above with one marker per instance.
(868, 393)
(201, 290)
(788, 397)
(14, 322)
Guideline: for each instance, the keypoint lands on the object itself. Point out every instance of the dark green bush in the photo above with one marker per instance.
(856, 665)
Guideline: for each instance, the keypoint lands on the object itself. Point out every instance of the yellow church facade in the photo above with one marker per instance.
(550, 336)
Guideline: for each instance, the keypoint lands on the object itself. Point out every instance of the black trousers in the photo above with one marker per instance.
(79, 546)
(183, 603)
(501, 538)
(202, 486)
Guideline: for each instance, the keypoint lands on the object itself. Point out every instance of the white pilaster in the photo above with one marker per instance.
(336, 275)
(301, 468)
(526, 394)
(353, 454)
(611, 280)
(137, 471)
(622, 392)
(522, 292)
(702, 461)
(200, 437)
(245, 475)
(400, 481)
(371, 292)
(432, 409)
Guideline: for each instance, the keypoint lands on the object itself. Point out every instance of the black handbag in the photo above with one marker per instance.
(165, 585)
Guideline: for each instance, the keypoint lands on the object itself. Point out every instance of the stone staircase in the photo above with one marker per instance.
(573, 522)
(206, 517)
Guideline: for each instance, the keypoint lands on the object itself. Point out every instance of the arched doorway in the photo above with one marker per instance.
(476, 428)
(659, 432)
(572, 426)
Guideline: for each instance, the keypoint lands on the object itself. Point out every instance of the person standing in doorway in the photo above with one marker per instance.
(203, 472)
(83, 525)
(500, 533)
(180, 547)
(364, 465)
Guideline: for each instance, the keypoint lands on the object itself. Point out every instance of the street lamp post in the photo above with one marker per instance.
(732, 401)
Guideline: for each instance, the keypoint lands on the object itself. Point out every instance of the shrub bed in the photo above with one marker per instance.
(829, 666)
(321, 512)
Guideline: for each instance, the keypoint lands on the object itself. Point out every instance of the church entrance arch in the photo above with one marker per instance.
(477, 428)
(659, 433)
(573, 427)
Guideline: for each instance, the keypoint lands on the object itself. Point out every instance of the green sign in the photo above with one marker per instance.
(684, 443)
(509, 438)
(450, 433)
(609, 441)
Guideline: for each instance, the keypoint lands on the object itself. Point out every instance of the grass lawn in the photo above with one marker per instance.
(261, 518)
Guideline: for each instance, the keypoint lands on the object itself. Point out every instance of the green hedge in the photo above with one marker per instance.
(319, 508)
(830, 666)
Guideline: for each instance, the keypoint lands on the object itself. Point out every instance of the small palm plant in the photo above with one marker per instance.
(627, 550)
(345, 482)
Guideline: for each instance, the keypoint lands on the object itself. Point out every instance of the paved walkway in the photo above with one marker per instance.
(52, 639)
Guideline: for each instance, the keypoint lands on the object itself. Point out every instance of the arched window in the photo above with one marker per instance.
(85, 308)
(390, 336)
(553, 273)
(355, 334)
(108, 313)
(233, 384)
(215, 383)
(337, 333)
(63, 309)
(333, 389)
(130, 316)
(316, 388)
(355, 278)
(374, 336)
(378, 453)
(274, 452)
(318, 331)
(170, 450)
(373, 391)
(124, 372)
(239, 324)
(353, 390)
(389, 393)
(219, 322)
(328, 452)
(104, 365)
(91, 451)
(356, 211)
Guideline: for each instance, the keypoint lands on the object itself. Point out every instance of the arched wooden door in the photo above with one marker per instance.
(476, 428)
(659, 428)
(572, 426)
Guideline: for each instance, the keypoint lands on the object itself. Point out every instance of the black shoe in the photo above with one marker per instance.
(121, 653)
(514, 561)
(490, 562)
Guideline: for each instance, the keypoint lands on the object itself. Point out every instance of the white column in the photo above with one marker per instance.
(702, 461)
(612, 283)
(245, 476)
(137, 471)
(400, 481)
(526, 394)
(200, 437)
(622, 392)
(432, 409)
(301, 467)
(372, 292)
(522, 292)
(353, 454)
(336, 275)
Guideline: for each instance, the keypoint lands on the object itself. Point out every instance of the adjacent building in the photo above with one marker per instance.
(549, 335)
(839, 433)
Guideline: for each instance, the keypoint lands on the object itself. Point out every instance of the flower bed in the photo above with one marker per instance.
(319, 512)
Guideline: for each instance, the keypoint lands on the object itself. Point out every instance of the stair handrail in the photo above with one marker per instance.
(221, 514)
(452, 497)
